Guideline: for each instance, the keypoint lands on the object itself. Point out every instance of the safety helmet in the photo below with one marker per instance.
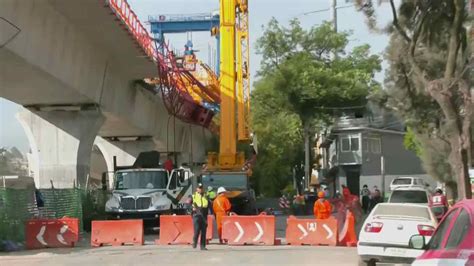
(321, 194)
(209, 188)
(221, 190)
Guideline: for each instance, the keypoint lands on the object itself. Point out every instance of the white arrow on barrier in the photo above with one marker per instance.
(40, 235)
(305, 233)
(260, 232)
(60, 235)
(241, 231)
(330, 233)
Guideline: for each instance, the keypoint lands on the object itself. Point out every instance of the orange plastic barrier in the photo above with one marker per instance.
(178, 229)
(117, 233)
(311, 231)
(253, 230)
(51, 233)
(348, 235)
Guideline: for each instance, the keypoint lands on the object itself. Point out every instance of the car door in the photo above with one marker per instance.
(179, 187)
(459, 246)
(450, 245)
(438, 240)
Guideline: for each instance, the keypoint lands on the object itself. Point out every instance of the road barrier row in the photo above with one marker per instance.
(178, 230)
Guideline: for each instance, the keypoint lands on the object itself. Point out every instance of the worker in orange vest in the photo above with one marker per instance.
(221, 208)
(322, 208)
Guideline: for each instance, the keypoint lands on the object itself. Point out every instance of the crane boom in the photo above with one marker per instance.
(234, 85)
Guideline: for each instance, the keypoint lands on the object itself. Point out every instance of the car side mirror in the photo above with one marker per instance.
(417, 242)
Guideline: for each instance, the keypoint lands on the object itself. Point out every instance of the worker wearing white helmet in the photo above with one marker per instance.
(221, 208)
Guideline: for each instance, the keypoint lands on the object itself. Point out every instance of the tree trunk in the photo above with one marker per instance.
(457, 128)
(307, 154)
(451, 191)
(459, 161)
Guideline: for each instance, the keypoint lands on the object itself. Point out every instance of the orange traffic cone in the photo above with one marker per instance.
(348, 235)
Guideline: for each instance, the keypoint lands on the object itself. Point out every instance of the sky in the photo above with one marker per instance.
(260, 12)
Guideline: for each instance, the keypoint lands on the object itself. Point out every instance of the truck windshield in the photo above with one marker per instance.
(141, 180)
(228, 181)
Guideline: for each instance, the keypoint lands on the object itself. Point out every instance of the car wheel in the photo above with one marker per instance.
(371, 262)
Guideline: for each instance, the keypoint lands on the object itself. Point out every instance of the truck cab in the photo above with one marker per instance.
(147, 193)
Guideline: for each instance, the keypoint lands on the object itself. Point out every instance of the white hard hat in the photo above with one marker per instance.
(209, 188)
(221, 190)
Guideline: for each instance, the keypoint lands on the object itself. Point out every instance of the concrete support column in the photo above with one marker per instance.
(61, 144)
(125, 152)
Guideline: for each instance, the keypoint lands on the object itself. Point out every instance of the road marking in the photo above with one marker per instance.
(302, 230)
(60, 235)
(328, 230)
(260, 232)
(39, 236)
(241, 232)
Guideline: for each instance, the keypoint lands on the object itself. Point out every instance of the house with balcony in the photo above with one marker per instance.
(368, 149)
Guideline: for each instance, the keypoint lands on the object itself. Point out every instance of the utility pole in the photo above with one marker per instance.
(334, 14)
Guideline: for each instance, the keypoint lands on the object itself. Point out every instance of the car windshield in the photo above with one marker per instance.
(409, 196)
(141, 180)
(402, 211)
(402, 181)
(228, 181)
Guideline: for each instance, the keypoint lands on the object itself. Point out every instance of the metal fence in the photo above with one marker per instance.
(19, 205)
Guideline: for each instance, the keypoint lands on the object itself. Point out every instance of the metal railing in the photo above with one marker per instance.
(124, 12)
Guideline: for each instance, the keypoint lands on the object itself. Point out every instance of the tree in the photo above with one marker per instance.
(428, 80)
(307, 82)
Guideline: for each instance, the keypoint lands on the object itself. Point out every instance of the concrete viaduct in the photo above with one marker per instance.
(76, 66)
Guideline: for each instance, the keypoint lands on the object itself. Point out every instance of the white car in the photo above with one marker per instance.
(387, 231)
(410, 194)
(407, 181)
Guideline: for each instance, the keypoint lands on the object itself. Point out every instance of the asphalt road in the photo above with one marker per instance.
(185, 255)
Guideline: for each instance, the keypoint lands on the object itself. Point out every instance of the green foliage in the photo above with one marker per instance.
(301, 83)
(412, 144)
(300, 66)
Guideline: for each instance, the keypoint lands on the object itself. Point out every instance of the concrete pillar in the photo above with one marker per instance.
(61, 144)
(125, 151)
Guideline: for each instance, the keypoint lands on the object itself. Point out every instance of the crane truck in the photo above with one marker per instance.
(229, 168)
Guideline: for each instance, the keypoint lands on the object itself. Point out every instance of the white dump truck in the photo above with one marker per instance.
(146, 190)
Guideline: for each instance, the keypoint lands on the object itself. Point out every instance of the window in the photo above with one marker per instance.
(354, 144)
(350, 143)
(365, 144)
(141, 180)
(375, 146)
(173, 181)
(462, 225)
(437, 238)
(345, 144)
(402, 181)
(228, 181)
(408, 196)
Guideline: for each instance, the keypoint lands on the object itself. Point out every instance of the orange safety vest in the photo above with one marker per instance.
(221, 204)
(322, 210)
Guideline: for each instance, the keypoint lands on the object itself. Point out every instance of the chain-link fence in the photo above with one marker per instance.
(19, 205)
